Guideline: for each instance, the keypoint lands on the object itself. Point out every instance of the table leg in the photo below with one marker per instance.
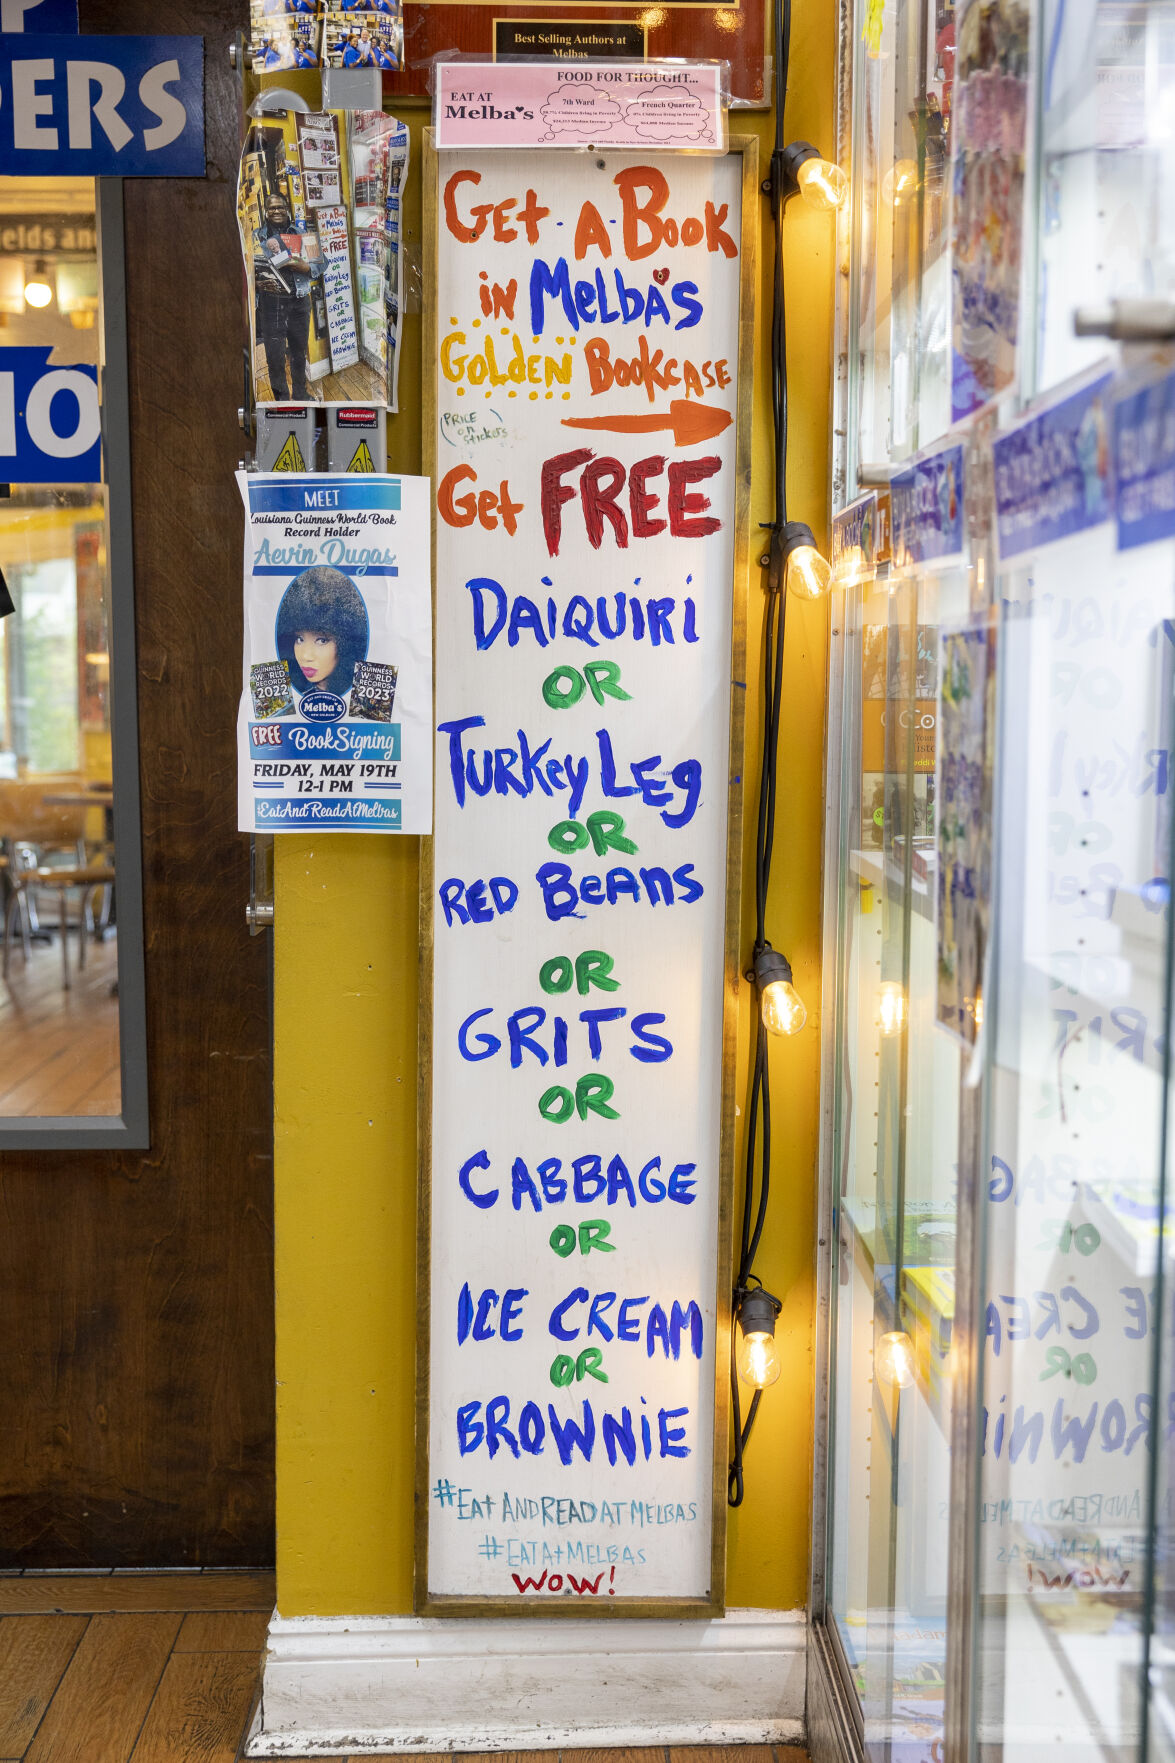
(61, 893)
(11, 916)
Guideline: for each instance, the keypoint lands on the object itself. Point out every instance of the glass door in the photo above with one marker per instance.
(898, 1077)
(1000, 1501)
(1076, 1024)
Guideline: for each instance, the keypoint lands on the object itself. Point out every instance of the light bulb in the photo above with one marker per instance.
(899, 183)
(37, 293)
(822, 183)
(851, 567)
(894, 1362)
(758, 1360)
(807, 572)
(782, 1007)
(891, 1007)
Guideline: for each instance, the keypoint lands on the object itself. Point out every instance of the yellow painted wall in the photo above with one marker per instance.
(345, 1001)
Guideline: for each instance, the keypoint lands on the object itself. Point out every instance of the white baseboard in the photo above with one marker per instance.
(402, 1683)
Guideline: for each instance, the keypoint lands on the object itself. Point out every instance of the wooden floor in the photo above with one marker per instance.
(60, 1048)
(165, 1668)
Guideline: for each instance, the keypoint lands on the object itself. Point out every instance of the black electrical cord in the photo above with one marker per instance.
(757, 1164)
(778, 197)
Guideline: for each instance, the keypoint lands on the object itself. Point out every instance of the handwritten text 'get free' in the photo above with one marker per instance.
(654, 494)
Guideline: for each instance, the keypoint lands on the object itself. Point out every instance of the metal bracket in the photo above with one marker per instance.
(259, 911)
(1127, 321)
(275, 98)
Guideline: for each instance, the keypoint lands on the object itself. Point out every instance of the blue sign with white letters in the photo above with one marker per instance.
(39, 15)
(50, 424)
(1144, 461)
(927, 508)
(1054, 473)
(101, 106)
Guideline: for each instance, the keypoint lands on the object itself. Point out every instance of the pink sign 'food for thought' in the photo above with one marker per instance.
(525, 104)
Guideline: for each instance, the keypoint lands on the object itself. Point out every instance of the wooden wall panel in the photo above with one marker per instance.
(136, 1289)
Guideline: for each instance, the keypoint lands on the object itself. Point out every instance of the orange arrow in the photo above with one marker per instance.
(690, 422)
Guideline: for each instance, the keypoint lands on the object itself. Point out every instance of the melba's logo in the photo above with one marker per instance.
(323, 706)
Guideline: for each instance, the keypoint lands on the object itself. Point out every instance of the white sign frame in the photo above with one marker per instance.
(710, 1601)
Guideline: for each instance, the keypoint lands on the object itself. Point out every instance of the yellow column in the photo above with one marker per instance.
(345, 1065)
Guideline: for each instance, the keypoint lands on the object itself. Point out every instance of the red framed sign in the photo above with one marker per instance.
(567, 34)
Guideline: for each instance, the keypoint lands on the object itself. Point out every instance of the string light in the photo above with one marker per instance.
(822, 184)
(899, 183)
(819, 181)
(758, 1356)
(894, 1360)
(806, 573)
(891, 1008)
(851, 567)
(780, 1005)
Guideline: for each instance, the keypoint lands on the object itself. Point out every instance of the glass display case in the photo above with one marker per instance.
(908, 652)
(995, 1487)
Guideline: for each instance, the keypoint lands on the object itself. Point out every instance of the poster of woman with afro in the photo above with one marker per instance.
(322, 630)
(334, 730)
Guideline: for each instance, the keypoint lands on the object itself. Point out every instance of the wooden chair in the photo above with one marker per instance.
(26, 819)
(25, 875)
(25, 815)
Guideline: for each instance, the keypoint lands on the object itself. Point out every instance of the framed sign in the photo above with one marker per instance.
(635, 107)
(566, 34)
(589, 444)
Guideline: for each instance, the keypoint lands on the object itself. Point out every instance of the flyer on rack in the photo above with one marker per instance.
(966, 769)
(988, 126)
(334, 731)
(318, 209)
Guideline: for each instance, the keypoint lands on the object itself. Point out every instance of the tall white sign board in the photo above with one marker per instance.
(580, 933)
